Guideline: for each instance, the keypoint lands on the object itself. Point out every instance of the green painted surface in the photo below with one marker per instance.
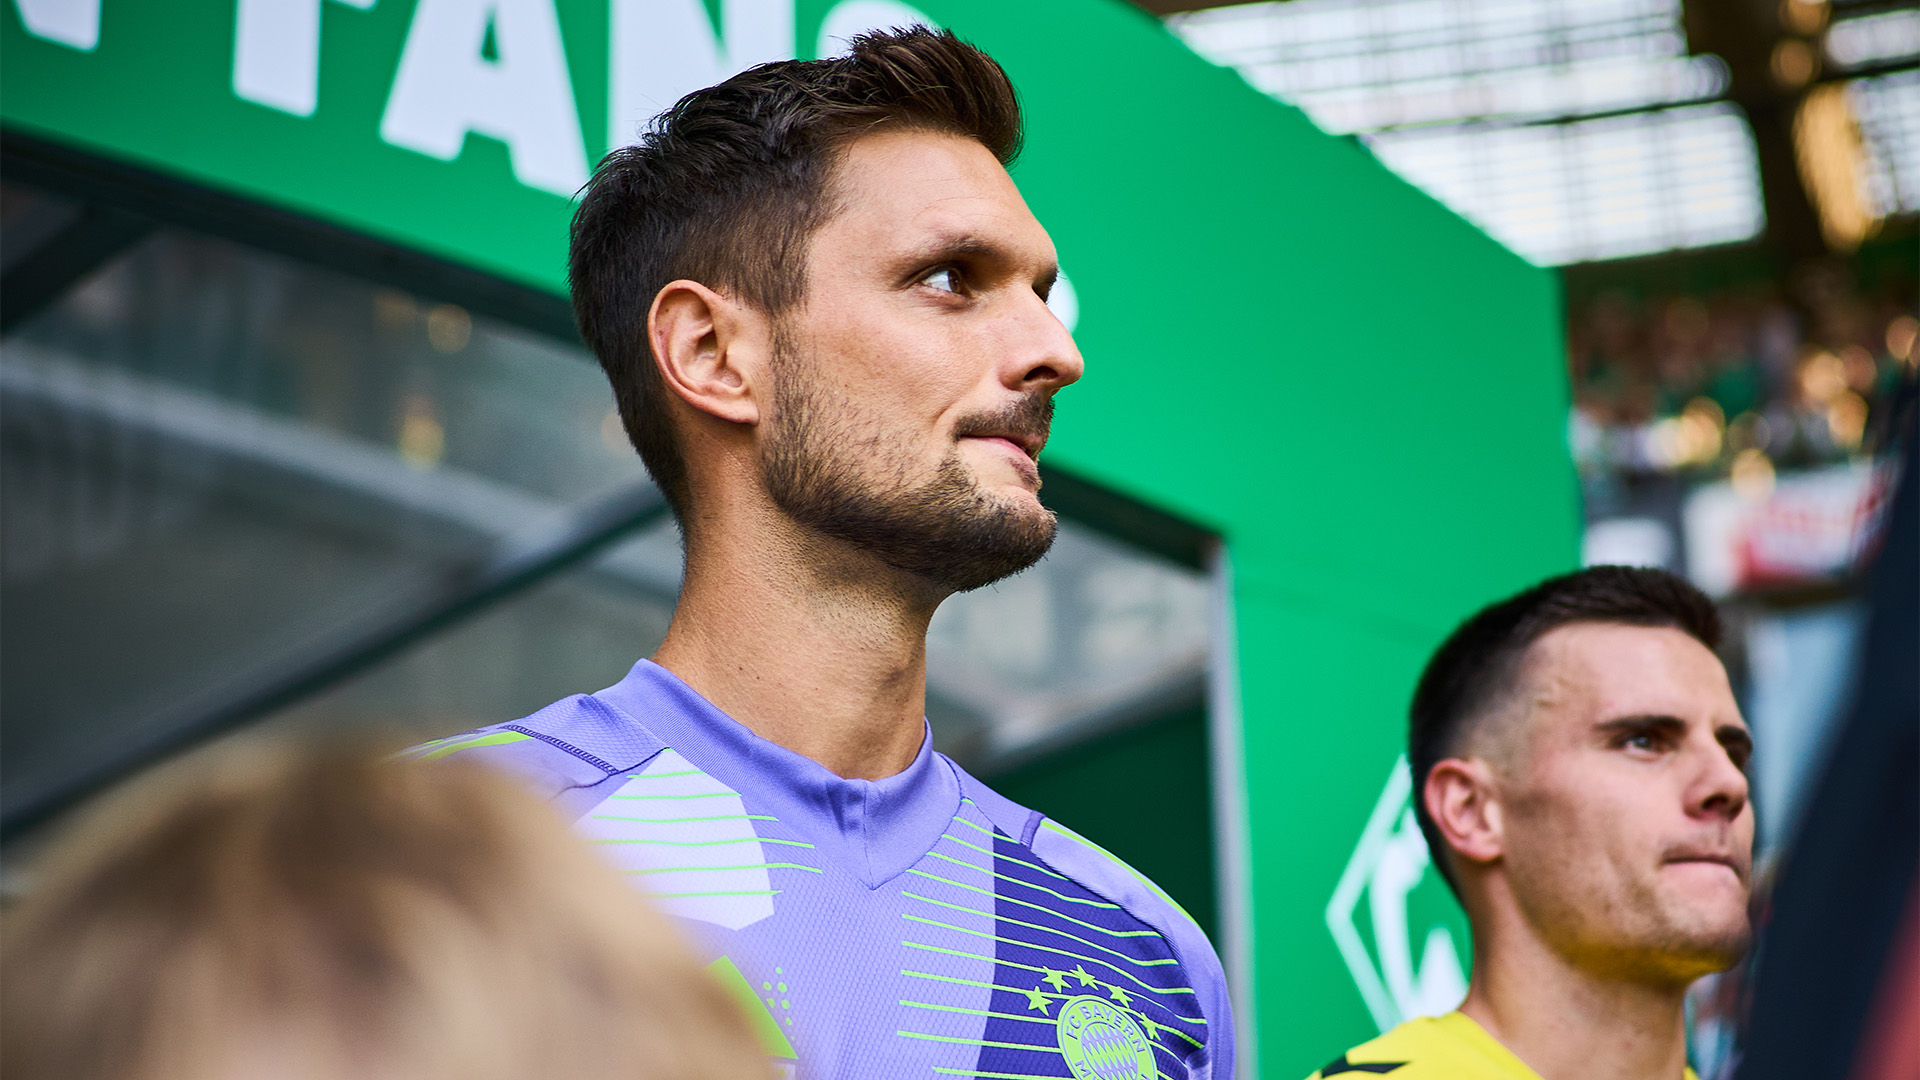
(1285, 343)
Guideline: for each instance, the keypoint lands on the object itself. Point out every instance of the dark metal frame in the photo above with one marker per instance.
(57, 245)
(158, 198)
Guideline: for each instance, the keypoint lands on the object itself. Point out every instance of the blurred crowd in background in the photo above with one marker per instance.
(1736, 383)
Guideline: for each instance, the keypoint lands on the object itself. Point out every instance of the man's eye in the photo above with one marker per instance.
(1642, 741)
(946, 279)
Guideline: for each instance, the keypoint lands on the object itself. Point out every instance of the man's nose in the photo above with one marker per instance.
(1721, 787)
(1041, 354)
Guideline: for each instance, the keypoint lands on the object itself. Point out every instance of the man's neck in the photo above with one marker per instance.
(1570, 1024)
(812, 645)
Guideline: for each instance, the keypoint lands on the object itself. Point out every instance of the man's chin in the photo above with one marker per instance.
(1708, 946)
(958, 531)
(1012, 542)
(1015, 499)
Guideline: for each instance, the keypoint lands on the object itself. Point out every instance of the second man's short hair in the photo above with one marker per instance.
(1479, 664)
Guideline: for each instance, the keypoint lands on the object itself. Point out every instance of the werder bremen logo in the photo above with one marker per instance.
(1102, 1043)
(1389, 898)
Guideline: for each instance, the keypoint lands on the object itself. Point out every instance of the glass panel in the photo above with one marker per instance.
(1097, 635)
(218, 462)
(576, 633)
(215, 459)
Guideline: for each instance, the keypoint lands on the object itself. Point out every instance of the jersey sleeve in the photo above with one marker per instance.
(1105, 873)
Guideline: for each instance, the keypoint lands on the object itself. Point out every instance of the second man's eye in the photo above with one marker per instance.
(946, 279)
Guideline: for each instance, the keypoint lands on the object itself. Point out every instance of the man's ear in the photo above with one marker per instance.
(1464, 803)
(711, 350)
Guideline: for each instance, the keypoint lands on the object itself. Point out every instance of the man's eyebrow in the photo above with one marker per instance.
(959, 245)
(1650, 722)
(949, 245)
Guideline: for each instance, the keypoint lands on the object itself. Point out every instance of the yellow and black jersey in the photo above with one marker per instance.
(1450, 1047)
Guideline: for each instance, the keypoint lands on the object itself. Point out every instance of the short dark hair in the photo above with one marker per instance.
(1479, 663)
(728, 186)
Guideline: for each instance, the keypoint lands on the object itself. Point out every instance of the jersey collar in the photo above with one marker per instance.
(877, 828)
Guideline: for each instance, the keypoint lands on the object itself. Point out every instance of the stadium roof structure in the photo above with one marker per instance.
(1619, 128)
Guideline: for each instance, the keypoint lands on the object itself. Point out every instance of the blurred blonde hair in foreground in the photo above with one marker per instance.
(321, 913)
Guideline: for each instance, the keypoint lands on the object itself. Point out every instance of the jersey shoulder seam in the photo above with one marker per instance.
(563, 745)
(616, 774)
(609, 712)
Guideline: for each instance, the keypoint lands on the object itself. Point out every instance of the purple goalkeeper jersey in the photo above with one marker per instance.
(917, 926)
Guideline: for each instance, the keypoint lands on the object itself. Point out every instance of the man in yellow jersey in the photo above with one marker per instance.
(1579, 765)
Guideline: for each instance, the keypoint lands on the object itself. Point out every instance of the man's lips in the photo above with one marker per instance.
(1738, 867)
(1022, 444)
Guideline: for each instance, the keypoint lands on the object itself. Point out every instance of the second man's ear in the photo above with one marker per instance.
(711, 350)
(1461, 799)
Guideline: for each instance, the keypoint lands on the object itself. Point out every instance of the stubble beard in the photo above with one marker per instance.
(847, 478)
(1632, 932)
(1691, 941)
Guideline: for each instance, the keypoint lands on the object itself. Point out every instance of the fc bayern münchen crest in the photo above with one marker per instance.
(1102, 1043)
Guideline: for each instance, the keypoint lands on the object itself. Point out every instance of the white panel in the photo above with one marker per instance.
(689, 840)
(74, 23)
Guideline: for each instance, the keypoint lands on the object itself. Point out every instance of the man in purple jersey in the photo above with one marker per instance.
(821, 302)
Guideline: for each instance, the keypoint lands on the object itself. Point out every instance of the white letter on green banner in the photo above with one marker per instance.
(276, 53)
(75, 23)
(665, 49)
(522, 95)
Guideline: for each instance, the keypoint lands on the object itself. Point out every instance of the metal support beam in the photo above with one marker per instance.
(1746, 34)
(51, 166)
(397, 623)
(52, 248)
